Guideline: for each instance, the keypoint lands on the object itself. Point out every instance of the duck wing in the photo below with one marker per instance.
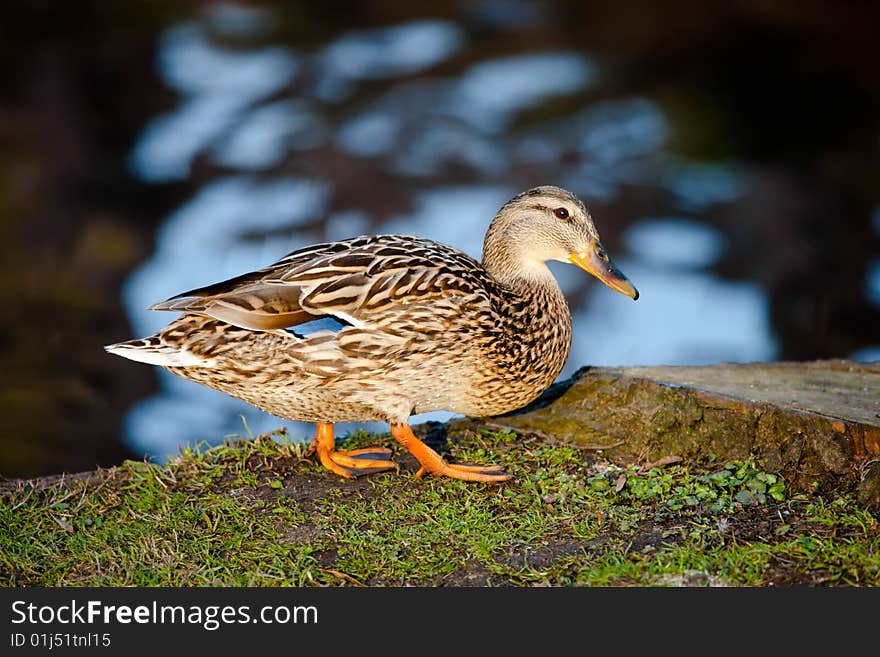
(349, 280)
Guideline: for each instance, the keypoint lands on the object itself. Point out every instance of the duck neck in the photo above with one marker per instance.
(536, 304)
(536, 340)
(512, 265)
(534, 307)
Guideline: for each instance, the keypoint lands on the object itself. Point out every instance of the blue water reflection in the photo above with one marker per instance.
(872, 284)
(266, 135)
(614, 130)
(675, 243)
(255, 110)
(386, 53)
(698, 185)
(216, 85)
(490, 94)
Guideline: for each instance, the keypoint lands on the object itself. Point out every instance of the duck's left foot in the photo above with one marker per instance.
(433, 463)
(354, 463)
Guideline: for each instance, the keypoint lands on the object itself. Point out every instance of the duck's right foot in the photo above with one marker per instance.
(354, 463)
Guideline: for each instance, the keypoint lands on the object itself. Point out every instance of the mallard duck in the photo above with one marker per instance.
(384, 327)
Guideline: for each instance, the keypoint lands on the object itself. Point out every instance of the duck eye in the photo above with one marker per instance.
(562, 213)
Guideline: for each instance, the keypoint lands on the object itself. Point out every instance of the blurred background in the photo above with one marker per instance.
(729, 152)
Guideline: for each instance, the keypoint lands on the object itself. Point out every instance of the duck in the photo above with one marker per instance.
(383, 327)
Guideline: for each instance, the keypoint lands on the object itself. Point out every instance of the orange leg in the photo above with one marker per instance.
(433, 463)
(351, 464)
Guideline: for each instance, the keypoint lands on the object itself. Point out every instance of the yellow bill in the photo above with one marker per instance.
(596, 262)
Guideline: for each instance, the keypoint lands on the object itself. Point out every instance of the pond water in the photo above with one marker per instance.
(745, 244)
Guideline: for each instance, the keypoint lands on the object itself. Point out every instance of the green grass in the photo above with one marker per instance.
(256, 513)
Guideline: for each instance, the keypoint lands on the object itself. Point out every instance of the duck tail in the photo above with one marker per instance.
(154, 351)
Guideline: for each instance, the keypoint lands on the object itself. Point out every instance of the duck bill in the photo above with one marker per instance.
(595, 262)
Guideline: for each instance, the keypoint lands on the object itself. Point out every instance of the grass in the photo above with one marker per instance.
(258, 513)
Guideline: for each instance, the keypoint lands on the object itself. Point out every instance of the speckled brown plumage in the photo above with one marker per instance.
(423, 325)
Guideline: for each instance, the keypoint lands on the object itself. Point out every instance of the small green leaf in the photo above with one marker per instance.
(599, 483)
(777, 491)
(756, 486)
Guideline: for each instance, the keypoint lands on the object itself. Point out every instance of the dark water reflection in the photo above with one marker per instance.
(750, 225)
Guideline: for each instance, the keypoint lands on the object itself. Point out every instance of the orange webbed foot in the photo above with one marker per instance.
(433, 463)
(354, 463)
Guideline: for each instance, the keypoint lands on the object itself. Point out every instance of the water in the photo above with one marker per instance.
(282, 133)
